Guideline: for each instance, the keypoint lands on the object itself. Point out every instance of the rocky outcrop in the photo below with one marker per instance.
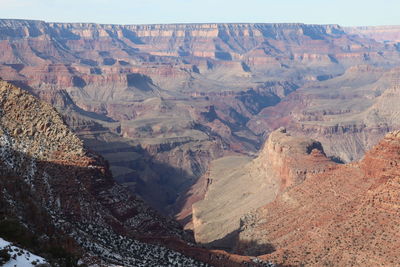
(160, 102)
(237, 185)
(344, 216)
(291, 158)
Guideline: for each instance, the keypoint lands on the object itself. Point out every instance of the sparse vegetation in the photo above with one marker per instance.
(4, 256)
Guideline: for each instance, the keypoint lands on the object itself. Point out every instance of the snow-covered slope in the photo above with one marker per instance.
(18, 257)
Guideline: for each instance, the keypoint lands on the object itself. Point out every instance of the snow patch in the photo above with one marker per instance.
(19, 257)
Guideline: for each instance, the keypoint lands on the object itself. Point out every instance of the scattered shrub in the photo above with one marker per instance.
(4, 256)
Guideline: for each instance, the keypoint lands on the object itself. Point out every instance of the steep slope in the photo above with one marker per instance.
(237, 185)
(347, 216)
(53, 185)
(71, 186)
(15, 256)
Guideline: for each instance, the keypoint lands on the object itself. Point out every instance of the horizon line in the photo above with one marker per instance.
(199, 23)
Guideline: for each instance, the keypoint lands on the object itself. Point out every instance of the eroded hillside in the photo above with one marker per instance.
(346, 216)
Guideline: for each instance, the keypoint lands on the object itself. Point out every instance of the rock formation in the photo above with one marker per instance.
(346, 216)
(71, 186)
(237, 185)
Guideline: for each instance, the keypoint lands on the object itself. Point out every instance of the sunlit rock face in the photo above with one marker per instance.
(345, 216)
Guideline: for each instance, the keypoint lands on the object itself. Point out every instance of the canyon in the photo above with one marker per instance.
(160, 102)
(189, 118)
(59, 199)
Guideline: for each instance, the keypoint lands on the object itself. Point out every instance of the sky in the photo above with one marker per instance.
(343, 12)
